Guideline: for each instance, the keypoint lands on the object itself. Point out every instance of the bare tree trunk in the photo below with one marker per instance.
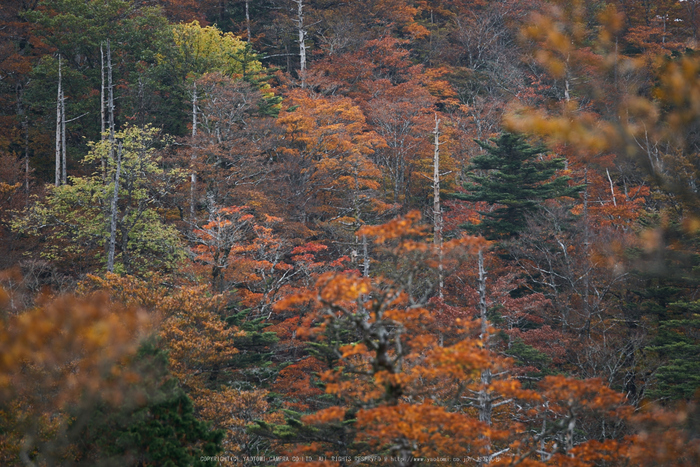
(302, 44)
(365, 257)
(113, 213)
(194, 108)
(102, 95)
(437, 211)
(612, 188)
(193, 175)
(247, 19)
(58, 127)
(102, 108)
(193, 184)
(567, 95)
(485, 401)
(482, 300)
(110, 100)
(63, 138)
(113, 207)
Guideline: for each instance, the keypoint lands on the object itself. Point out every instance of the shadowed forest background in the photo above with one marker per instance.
(316, 229)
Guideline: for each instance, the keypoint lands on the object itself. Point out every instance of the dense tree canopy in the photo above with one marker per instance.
(290, 232)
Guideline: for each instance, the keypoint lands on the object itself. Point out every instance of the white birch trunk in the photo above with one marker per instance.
(194, 109)
(102, 109)
(247, 19)
(58, 127)
(110, 100)
(63, 138)
(302, 44)
(193, 175)
(437, 210)
(485, 401)
(102, 96)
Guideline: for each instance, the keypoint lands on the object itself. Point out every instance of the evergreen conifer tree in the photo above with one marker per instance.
(162, 430)
(513, 176)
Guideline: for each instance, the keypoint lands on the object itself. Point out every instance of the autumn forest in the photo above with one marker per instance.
(372, 232)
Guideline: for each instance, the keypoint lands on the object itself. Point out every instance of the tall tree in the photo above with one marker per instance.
(515, 178)
(326, 159)
(80, 215)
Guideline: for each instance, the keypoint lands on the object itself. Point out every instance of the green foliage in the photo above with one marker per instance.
(526, 355)
(169, 434)
(77, 29)
(256, 346)
(73, 220)
(193, 51)
(296, 431)
(162, 430)
(515, 177)
(678, 344)
(336, 334)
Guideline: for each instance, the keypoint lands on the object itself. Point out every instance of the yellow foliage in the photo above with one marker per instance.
(206, 49)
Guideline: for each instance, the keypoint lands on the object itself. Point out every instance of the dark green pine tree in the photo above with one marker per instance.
(678, 344)
(668, 278)
(512, 176)
(156, 425)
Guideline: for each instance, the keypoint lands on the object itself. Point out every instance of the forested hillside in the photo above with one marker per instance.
(373, 232)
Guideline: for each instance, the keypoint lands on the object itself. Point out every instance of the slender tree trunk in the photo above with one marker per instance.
(63, 138)
(437, 211)
(193, 184)
(365, 257)
(58, 126)
(544, 456)
(247, 19)
(113, 207)
(102, 107)
(194, 108)
(102, 94)
(110, 100)
(302, 44)
(482, 300)
(193, 175)
(612, 188)
(485, 400)
(113, 212)
(567, 95)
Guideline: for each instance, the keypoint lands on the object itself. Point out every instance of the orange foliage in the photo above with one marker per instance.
(327, 157)
(63, 357)
(295, 381)
(67, 347)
